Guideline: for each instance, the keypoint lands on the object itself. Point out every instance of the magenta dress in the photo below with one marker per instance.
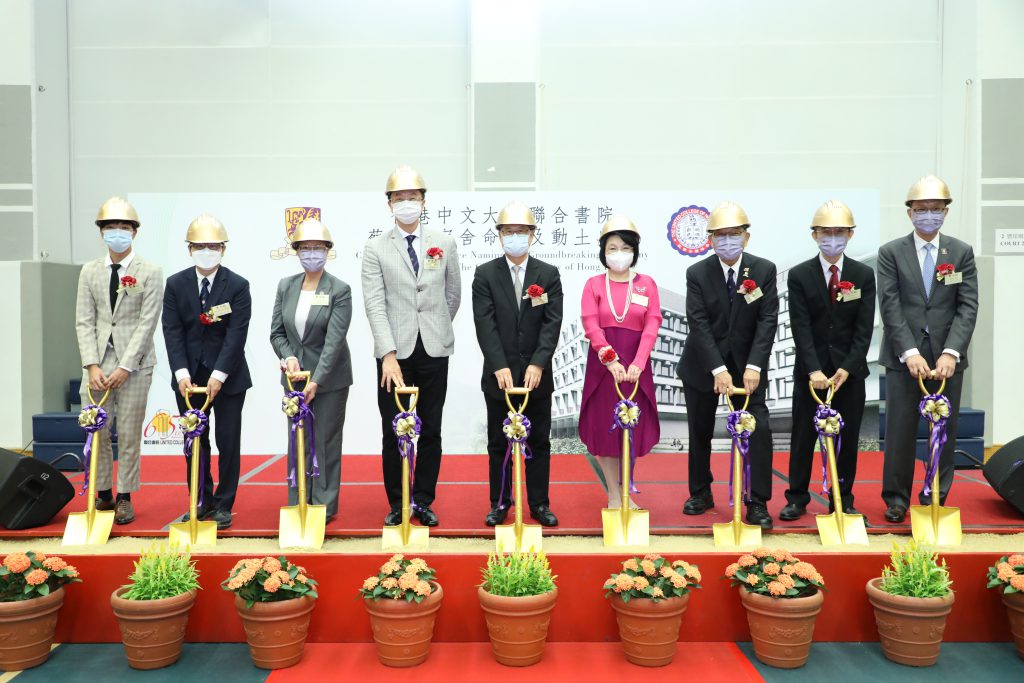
(633, 339)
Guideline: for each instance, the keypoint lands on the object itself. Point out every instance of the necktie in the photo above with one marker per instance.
(115, 282)
(204, 292)
(928, 269)
(412, 254)
(518, 286)
(730, 284)
(833, 281)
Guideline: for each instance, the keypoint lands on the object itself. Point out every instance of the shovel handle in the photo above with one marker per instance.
(828, 398)
(106, 395)
(517, 391)
(618, 390)
(302, 375)
(920, 383)
(411, 391)
(739, 391)
(197, 390)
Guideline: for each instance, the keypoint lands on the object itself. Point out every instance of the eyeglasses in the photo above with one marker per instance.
(514, 231)
(213, 246)
(925, 212)
(833, 232)
(311, 250)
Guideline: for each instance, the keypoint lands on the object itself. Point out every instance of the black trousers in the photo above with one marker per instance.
(700, 418)
(538, 467)
(228, 432)
(430, 375)
(849, 401)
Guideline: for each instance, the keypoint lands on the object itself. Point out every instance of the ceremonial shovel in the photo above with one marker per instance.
(837, 528)
(625, 526)
(91, 527)
(405, 535)
(302, 525)
(935, 524)
(518, 535)
(736, 533)
(194, 532)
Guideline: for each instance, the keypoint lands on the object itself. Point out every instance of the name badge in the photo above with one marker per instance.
(321, 300)
(538, 300)
(221, 309)
(753, 296)
(639, 299)
(953, 279)
(433, 263)
(851, 295)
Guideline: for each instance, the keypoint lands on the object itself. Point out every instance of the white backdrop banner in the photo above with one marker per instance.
(671, 223)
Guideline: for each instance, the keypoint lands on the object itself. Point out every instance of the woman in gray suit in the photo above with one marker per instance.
(312, 312)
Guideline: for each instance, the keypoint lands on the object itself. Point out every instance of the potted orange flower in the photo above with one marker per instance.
(402, 600)
(649, 597)
(782, 596)
(1008, 575)
(31, 595)
(274, 599)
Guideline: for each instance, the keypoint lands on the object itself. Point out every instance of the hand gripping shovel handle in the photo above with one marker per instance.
(193, 496)
(626, 459)
(931, 427)
(414, 397)
(737, 391)
(300, 449)
(517, 464)
(90, 505)
(828, 397)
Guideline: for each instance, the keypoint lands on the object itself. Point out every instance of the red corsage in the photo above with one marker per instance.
(128, 285)
(534, 291)
(206, 318)
(435, 253)
(846, 286)
(943, 270)
(747, 287)
(607, 355)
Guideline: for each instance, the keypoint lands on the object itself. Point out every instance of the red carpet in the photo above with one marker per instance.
(576, 497)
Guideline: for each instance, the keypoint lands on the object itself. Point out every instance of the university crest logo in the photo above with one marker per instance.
(687, 231)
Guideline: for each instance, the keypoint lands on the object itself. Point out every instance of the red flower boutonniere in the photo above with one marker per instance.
(747, 287)
(847, 291)
(607, 355)
(534, 291)
(435, 253)
(846, 286)
(129, 285)
(209, 318)
(943, 270)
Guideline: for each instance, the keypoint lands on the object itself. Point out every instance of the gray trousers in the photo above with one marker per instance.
(328, 424)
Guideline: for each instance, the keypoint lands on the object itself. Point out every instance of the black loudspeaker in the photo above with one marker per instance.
(31, 492)
(1005, 472)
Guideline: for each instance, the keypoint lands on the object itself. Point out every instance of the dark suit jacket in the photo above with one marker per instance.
(220, 346)
(514, 338)
(745, 333)
(826, 334)
(949, 314)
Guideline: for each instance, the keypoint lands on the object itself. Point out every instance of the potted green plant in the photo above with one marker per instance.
(517, 595)
(782, 596)
(649, 597)
(1008, 574)
(274, 599)
(912, 599)
(31, 595)
(402, 600)
(153, 609)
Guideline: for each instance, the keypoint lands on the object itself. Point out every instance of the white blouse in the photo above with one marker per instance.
(302, 311)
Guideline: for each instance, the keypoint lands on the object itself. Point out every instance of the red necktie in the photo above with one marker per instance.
(833, 282)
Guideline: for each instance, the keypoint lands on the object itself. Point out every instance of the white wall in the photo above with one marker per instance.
(12, 432)
(15, 42)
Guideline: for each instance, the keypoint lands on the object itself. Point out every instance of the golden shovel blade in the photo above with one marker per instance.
(736, 534)
(637, 530)
(840, 528)
(936, 525)
(505, 538)
(292, 533)
(182, 534)
(392, 537)
(80, 530)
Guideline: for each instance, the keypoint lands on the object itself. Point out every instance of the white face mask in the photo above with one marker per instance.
(407, 211)
(207, 258)
(619, 261)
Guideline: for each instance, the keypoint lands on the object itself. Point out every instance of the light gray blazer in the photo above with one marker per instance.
(401, 305)
(950, 313)
(323, 348)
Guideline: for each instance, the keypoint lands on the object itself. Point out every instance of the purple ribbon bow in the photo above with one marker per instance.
(514, 437)
(91, 420)
(302, 414)
(621, 419)
(406, 432)
(825, 412)
(201, 422)
(936, 435)
(740, 441)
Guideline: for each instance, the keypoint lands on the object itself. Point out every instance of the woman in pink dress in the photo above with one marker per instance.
(621, 318)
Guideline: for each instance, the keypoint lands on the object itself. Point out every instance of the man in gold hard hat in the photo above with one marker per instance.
(116, 313)
(517, 308)
(732, 307)
(205, 322)
(411, 291)
(832, 317)
(928, 298)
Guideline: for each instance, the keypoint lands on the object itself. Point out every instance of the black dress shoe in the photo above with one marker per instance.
(895, 514)
(222, 517)
(757, 513)
(792, 512)
(393, 518)
(849, 510)
(699, 503)
(496, 516)
(202, 512)
(426, 515)
(544, 515)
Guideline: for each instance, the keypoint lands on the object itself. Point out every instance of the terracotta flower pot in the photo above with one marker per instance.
(910, 629)
(276, 631)
(152, 630)
(517, 626)
(1015, 612)
(403, 630)
(781, 628)
(26, 630)
(649, 630)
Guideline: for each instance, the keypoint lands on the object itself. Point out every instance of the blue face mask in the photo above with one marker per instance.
(516, 245)
(728, 247)
(119, 241)
(832, 245)
(928, 222)
(313, 261)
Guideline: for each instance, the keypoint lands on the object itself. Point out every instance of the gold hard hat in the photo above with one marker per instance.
(206, 228)
(405, 178)
(311, 229)
(618, 223)
(833, 214)
(727, 215)
(117, 209)
(516, 213)
(929, 187)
